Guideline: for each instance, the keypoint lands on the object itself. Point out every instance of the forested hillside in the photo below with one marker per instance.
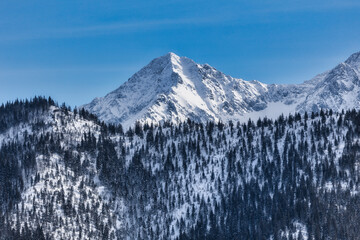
(66, 175)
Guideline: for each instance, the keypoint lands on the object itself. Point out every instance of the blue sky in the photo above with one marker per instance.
(77, 50)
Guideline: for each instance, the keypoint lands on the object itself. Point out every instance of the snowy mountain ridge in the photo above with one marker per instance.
(173, 88)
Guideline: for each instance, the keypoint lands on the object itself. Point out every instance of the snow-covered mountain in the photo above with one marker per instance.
(174, 88)
(66, 175)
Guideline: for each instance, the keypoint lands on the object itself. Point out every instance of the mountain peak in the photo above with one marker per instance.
(162, 65)
(354, 59)
(169, 57)
(172, 55)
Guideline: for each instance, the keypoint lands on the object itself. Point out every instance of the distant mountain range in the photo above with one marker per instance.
(174, 88)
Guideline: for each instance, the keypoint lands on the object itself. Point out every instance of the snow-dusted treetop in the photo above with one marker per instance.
(176, 88)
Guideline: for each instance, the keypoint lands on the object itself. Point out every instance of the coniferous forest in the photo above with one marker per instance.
(66, 175)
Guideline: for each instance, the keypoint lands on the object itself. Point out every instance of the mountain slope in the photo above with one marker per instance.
(67, 176)
(49, 186)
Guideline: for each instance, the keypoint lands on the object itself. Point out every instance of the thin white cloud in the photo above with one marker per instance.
(110, 28)
(227, 14)
(4, 71)
(134, 26)
(307, 6)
